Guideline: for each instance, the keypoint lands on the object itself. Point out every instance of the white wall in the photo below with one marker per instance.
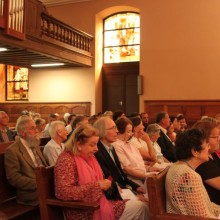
(62, 85)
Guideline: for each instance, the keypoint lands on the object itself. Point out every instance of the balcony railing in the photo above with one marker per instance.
(29, 19)
(57, 30)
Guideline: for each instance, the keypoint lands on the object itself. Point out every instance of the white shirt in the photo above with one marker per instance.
(51, 151)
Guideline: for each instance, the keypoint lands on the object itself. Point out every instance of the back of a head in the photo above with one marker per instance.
(77, 120)
(66, 116)
(25, 112)
(108, 113)
(172, 118)
(187, 141)
(39, 121)
(118, 114)
(52, 117)
(180, 116)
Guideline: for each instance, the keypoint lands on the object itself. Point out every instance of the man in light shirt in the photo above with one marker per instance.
(55, 146)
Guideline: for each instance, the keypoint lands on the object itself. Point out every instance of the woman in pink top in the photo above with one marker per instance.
(79, 177)
(129, 156)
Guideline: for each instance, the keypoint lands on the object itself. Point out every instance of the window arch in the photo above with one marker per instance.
(122, 37)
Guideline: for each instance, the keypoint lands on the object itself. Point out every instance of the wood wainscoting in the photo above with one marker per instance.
(192, 109)
(45, 108)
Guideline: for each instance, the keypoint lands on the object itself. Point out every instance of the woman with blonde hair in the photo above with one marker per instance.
(79, 177)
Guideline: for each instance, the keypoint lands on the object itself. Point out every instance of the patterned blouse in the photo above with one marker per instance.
(67, 188)
(186, 194)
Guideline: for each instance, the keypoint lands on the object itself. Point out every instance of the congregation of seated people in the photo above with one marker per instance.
(96, 157)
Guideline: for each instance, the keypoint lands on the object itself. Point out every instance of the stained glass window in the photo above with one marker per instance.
(122, 38)
(17, 83)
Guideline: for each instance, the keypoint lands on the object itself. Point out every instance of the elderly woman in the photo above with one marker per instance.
(78, 176)
(129, 156)
(210, 171)
(185, 192)
(142, 141)
(153, 130)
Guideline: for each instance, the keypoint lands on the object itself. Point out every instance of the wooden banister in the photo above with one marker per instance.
(57, 30)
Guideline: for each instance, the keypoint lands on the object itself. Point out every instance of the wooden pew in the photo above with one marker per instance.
(50, 206)
(8, 205)
(157, 200)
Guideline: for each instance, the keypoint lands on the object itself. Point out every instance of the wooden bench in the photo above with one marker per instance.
(157, 200)
(50, 206)
(8, 205)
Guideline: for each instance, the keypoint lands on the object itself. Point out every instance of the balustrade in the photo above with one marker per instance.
(57, 30)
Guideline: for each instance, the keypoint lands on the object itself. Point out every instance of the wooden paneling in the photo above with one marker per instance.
(192, 109)
(45, 108)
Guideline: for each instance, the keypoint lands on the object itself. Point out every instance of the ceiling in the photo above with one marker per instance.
(60, 2)
(19, 56)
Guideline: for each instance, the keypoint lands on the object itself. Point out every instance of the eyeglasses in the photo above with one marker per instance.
(112, 128)
(215, 137)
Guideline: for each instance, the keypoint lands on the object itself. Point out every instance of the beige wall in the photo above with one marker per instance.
(180, 44)
(180, 51)
(63, 85)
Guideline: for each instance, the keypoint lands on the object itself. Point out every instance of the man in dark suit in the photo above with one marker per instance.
(6, 134)
(21, 158)
(108, 158)
(167, 147)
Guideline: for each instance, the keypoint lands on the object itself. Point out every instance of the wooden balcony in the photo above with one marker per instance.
(32, 36)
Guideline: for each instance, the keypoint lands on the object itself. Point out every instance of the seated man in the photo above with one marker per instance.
(21, 158)
(55, 146)
(108, 158)
(6, 134)
(78, 120)
(52, 117)
(167, 147)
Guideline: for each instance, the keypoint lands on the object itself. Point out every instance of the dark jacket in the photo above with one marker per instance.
(11, 135)
(167, 148)
(113, 169)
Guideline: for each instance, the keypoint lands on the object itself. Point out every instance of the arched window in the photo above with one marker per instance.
(122, 38)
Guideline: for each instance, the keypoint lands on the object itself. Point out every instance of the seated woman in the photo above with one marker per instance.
(78, 176)
(142, 141)
(185, 192)
(210, 171)
(153, 130)
(129, 156)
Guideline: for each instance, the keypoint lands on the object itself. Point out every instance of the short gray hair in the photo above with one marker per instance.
(153, 129)
(100, 125)
(54, 127)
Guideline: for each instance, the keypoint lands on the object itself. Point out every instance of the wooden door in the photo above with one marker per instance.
(120, 87)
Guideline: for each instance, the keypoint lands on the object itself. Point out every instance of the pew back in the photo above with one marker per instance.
(51, 207)
(6, 190)
(8, 205)
(157, 200)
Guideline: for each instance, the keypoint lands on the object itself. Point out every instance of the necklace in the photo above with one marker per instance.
(187, 163)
